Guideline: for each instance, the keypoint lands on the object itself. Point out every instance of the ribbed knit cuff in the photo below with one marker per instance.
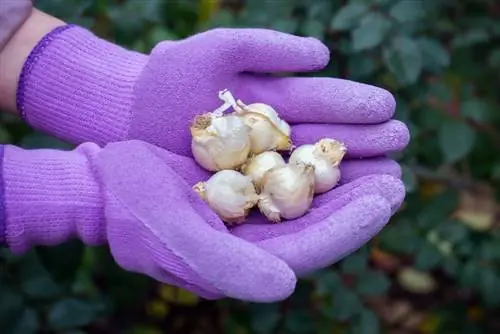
(51, 196)
(2, 206)
(79, 87)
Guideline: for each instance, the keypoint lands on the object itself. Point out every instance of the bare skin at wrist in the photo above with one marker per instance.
(14, 54)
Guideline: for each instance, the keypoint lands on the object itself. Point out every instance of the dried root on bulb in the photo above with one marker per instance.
(268, 131)
(219, 141)
(325, 156)
(230, 194)
(257, 165)
(287, 192)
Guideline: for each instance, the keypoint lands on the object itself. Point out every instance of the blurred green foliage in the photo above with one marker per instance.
(434, 269)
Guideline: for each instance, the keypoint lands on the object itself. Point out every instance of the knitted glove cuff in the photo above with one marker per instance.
(78, 87)
(51, 196)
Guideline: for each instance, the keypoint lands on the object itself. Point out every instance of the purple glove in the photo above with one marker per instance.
(340, 221)
(128, 195)
(81, 88)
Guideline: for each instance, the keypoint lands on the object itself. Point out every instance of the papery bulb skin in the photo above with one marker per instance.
(287, 192)
(230, 194)
(256, 166)
(331, 150)
(220, 142)
(268, 131)
(325, 156)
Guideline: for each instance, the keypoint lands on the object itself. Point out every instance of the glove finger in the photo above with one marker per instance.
(318, 99)
(177, 232)
(361, 141)
(354, 169)
(338, 235)
(263, 50)
(257, 228)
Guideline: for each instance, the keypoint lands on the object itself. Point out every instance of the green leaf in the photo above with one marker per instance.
(437, 209)
(300, 321)
(435, 56)
(160, 34)
(440, 91)
(367, 323)
(409, 178)
(321, 11)
(476, 109)
(361, 66)
(11, 307)
(470, 38)
(453, 231)
(348, 16)
(404, 60)
(465, 248)
(495, 172)
(35, 279)
(400, 238)
(40, 140)
(428, 257)
(451, 266)
(490, 250)
(264, 318)
(61, 8)
(356, 262)
(456, 140)
(372, 283)
(372, 31)
(70, 313)
(285, 25)
(490, 286)
(26, 324)
(407, 11)
(327, 282)
(313, 28)
(4, 135)
(494, 58)
(346, 304)
(62, 261)
(469, 275)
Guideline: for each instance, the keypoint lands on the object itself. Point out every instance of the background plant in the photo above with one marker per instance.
(434, 269)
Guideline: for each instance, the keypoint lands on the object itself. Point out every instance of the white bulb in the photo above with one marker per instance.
(230, 194)
(325, 156)
(268, 131)
(287, 192)
(258, 165)
(219, 141)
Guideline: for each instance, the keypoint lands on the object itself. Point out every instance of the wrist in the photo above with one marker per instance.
(51, 196)
(17, 49)
(79, 87)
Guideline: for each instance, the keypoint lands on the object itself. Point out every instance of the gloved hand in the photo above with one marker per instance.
(128, 195)
(81, 88)
(154, 98)
(341, 220)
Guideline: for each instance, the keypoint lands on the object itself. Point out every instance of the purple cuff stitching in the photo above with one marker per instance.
(2, 200)
(30, 62)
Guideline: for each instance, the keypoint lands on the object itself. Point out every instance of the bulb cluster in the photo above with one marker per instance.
(241, 148)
